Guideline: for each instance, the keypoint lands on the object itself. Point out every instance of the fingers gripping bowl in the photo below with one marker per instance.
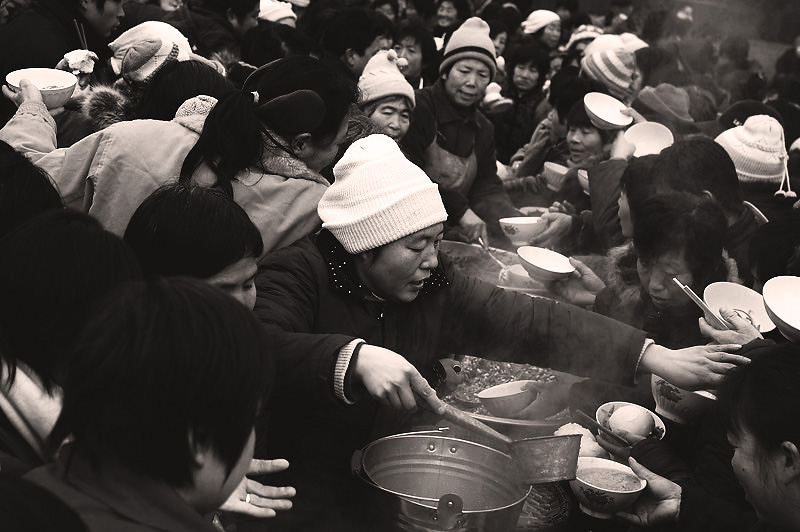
(545, 265)
(604, 487)
(630, 421)
(55, 85)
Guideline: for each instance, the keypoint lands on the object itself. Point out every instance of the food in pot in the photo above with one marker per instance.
(609, 479)
(632, 420)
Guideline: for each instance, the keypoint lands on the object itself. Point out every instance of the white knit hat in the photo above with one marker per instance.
(143, 59)
(378, 196)
(470, 41)
(382, 77)
(150, 30)
(757, 149)
(275, 11)
(613, 68)
(538, 20)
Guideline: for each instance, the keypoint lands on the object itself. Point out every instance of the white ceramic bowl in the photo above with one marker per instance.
(649, 138)
(554, 175)
(544, 265)
(55, 85)
(521, 229)
(604, 412)
(781, 295)
(601, 501)
(678, 405)
(583, 179)
(748, 303)
(505, 400)
(605, 111)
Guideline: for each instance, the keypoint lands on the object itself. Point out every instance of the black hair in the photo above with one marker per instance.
(160, 361)
(270, 41)
(240, 8)
(637, 184)
(570, 5)
(496, 27)
(579, 118)
(177, 82)
(232, 137)
(567, 88)
(677, 222)
(423, 38)
(774, 248)
(55, 267)
(25, 189)
(525, 54)
(697, 164)
(183, 229)
(763, 398)
(356, 29)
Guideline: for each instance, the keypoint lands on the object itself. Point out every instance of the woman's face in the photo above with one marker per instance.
(499, 42)
(752, 466)
(410, 49)
(656, 278)
(397, 271)
(446, 15)
(466, 82)
(238, 280)
(318, 156)
(585, 144)
(393, 117)
(551, 34)
(525, 77)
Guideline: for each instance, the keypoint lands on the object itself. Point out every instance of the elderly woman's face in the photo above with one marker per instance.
(466, 82)
(656, 278)
(397, 271)
(393, 117)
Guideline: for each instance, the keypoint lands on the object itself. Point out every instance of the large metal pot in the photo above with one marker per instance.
(429, 482)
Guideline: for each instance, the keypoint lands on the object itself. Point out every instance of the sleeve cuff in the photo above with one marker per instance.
(37, 109)
(647, 343)
(341, 369)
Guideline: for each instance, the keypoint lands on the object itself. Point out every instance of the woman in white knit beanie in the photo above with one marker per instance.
(360, 316)
(386, 97)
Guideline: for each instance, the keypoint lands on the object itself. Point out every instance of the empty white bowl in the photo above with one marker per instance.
(649, 138)
(679, 405)
(605, 111)
(505, 400)
(544, 265)
(521, 229)
(598, 498)
(748, 303)
(55, 85)
(781, 295)
(554, 175)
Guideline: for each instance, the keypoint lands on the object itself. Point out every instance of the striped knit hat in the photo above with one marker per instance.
(616, 69)
(470, 41)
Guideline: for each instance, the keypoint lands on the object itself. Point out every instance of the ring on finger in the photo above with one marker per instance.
(247, 499)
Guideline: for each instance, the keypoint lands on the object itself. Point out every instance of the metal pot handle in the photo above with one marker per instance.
(448, 514)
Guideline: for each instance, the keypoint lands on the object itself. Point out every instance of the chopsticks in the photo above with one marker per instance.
(709, 314)
(81, 34)
(619, 440)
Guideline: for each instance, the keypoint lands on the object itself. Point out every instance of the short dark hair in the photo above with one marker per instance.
(496, 27)
(637, 184)
(55, 268)
(353, 28)
(676, 222)
(762, 397)
(184, 229)
(25, 189)
(567, 88)
(422, 37)
(529, 53)
(160, 360)
(177, 82)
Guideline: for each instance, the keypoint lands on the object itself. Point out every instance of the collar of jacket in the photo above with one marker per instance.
(342, 275)
(741, 230)
(446, 111)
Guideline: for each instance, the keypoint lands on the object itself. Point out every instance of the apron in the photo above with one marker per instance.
(450, 171)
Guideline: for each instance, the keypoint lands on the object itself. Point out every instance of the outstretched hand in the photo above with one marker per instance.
(692, 368)
(259, 500)
(558, 226)
(660, 502)
(581, 287)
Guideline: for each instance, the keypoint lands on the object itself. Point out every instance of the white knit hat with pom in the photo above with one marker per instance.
(538, 20)
(758, 151)
(382, 77)
(378, 197)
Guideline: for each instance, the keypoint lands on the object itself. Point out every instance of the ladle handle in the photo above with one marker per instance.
(462, 419)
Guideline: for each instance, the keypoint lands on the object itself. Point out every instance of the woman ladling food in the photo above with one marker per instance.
(339, 310)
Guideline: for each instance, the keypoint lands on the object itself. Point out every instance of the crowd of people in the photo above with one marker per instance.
(220, 259)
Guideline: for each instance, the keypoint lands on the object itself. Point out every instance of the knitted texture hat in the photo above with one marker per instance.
(584, 32)
(273, 10)
(382, 77)
(145, 58)
(470, 41)
(378, 196)
(668, 101)
(150, 30)
(538, 20)
(613, 68)
(757, 149)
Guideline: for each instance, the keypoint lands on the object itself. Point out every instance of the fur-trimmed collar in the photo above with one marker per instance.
(106, 105)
